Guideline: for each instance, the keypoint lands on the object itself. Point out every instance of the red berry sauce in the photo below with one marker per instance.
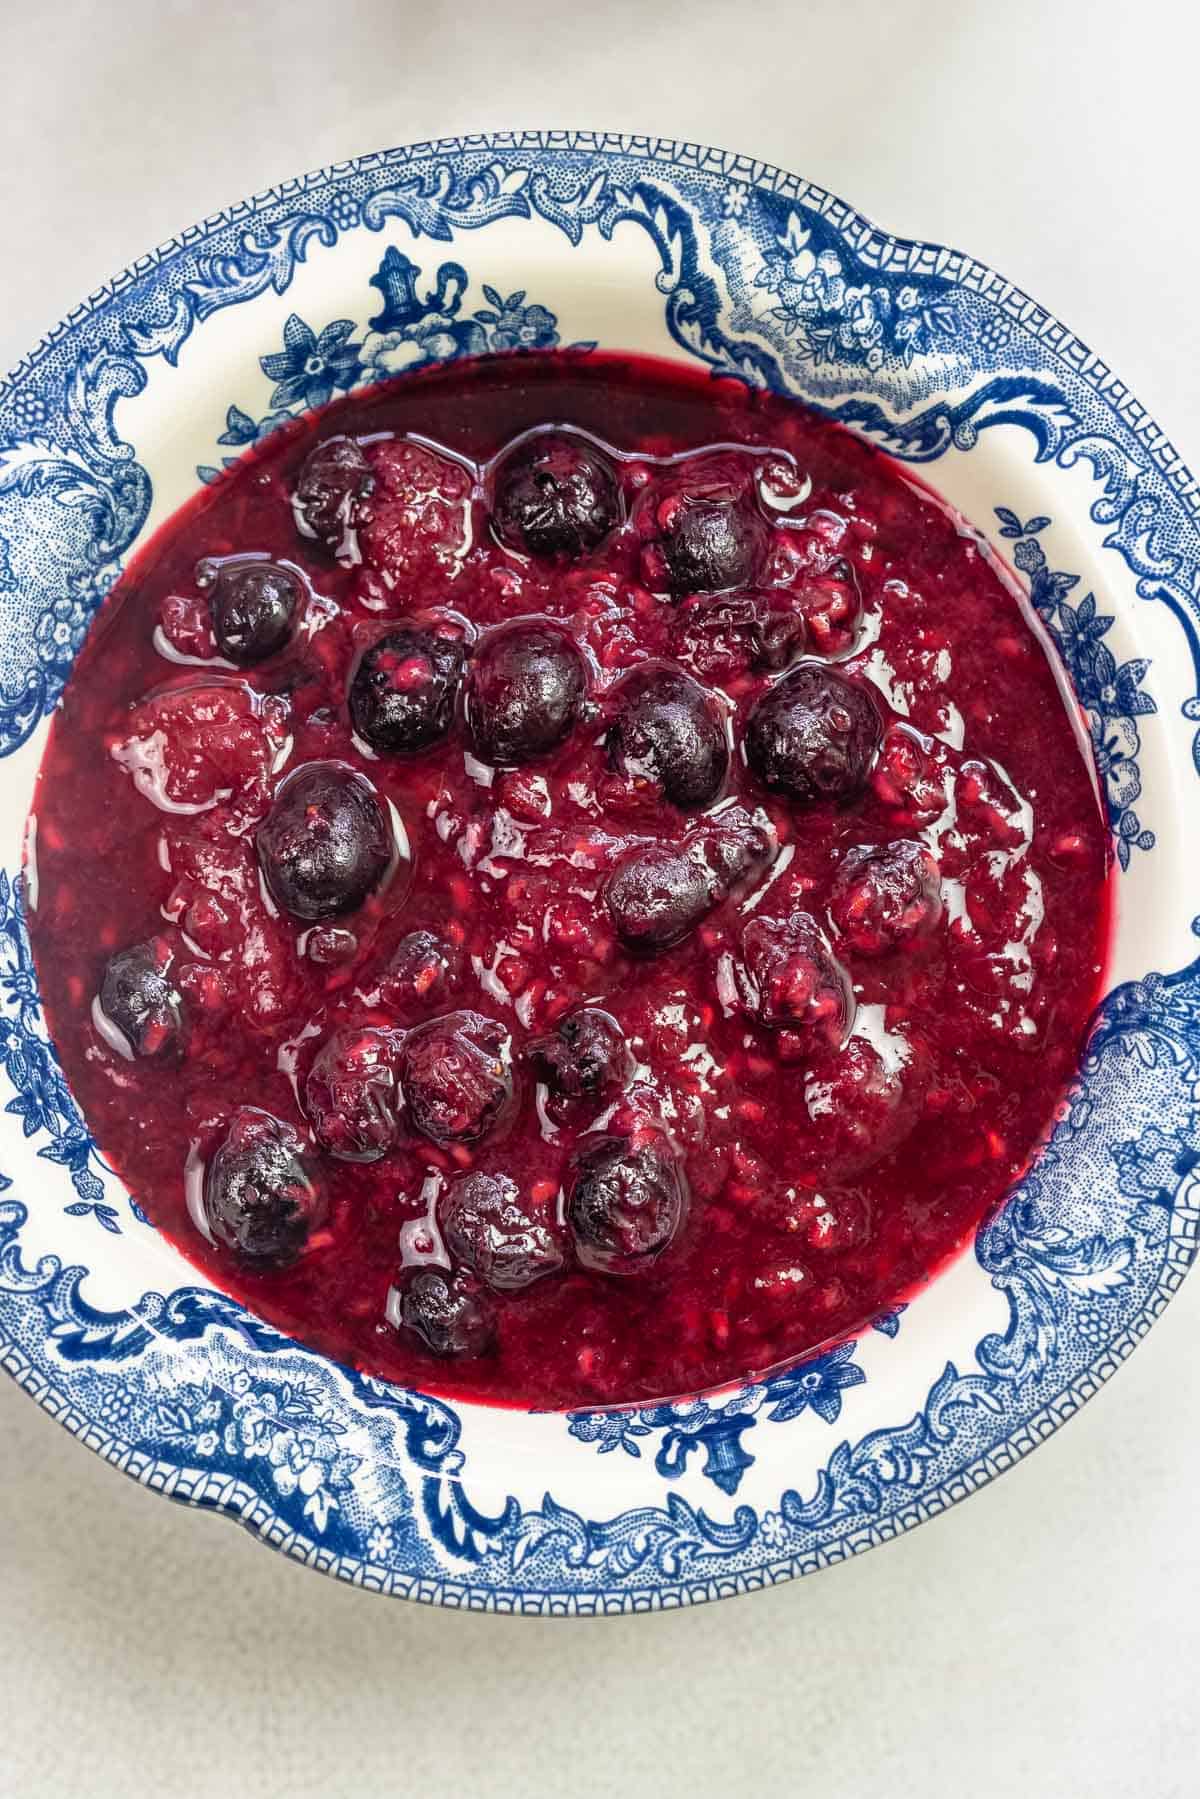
(575, 920)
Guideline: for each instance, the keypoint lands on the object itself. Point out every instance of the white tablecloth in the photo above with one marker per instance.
(1045, 1637)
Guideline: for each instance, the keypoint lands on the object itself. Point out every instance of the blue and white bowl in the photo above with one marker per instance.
(382, 265)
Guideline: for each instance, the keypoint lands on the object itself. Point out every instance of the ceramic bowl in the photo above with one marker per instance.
(538, 239)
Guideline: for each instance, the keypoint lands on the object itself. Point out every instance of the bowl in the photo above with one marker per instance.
(530, 240)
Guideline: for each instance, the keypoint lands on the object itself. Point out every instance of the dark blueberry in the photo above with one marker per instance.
(456, 1077)
(139, 1011)
(325, 844)
(524, 693)
(814, 736)
(792, 981)
(656, 894)
(352, 1095)
(626, 1201)
(710, 535)
(334, 477)
(404, 688)
(886, 897)
(449, 1312)
(669, 732)
(420, 973)
(487, 1229)
(586, 1056)
(253, 605)
(262, 1195)
(554, 495)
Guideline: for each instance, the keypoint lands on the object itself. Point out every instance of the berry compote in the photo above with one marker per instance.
(565, 881)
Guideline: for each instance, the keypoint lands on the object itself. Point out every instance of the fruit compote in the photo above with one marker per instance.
(564, 881)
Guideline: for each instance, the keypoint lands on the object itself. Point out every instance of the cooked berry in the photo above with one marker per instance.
(525, 691)
(450, 1313)
(831, 607)
(586, 1056)
(352, 1095)
(555, 495)
(791, 979)
(263, 1196)
(190, 748)
(813, 736)
(325, 844)
(487, 1229)
(253, 605)
(403, 691)
(329, 945)
(456, 1076)
(709, 536)
(886, 897)
(417, 527)
(333, 480)
(656, 894)
(139, 1009)
(733, 846)
(722, 635)
(668, 733)
(626, 1201)
(420, 973)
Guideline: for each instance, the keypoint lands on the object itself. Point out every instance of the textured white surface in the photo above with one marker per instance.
(1043, 1638)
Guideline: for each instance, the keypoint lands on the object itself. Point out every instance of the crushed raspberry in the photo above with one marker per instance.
(418, 520)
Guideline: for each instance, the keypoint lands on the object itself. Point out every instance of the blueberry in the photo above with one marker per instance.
(555, 495)
(403, 691)
(657, 893)
(487, 1229)
(792, 981)
(586, 1056)
(524, 693)
(814, 736)
(352, 1095)
(333, 479)
(421, 971)
(711, 537)
(448, 1312)
(325, 844)
(669, 732)
(262, 1195)
(139, 1011)
(626, 1201)
(886, 897)
(455, 1076)
(253, 605)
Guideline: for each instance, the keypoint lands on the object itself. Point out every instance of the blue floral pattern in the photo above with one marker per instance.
(770, 282)
(310, 368)
(835, 319)
(409, 332)
(716, 1426)
(41, 1100)
(1112, 693)
(284, 1435)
